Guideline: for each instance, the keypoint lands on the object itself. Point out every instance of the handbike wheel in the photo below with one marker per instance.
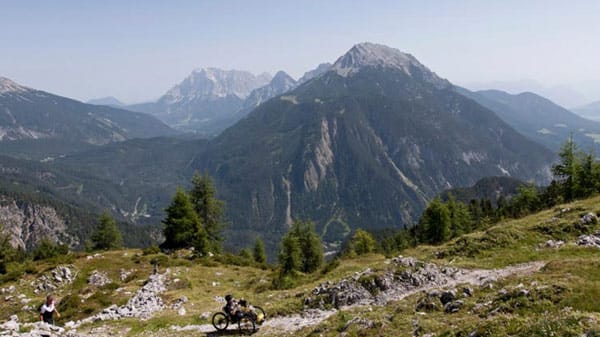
(246, 324)
(260, 311)
(220, 321)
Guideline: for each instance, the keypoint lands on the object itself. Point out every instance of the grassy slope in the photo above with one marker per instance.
(563, 296)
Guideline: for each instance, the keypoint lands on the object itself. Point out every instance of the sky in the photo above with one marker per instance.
(137, 50)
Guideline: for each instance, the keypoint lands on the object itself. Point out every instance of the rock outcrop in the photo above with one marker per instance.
(28, 223)
(592, 240)
(405, 277)
(143, 305)
(54, 279)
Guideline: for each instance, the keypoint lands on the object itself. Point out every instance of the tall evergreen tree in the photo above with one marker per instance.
(107, 235)
(586, 175)
(258, 252)
(310, 245)
(209, 208)
(436, 222)
(566, 169)
(460, 219)
(183, 228)
(290, 256)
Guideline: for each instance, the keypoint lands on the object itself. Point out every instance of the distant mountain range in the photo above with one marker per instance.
(210, 99)
(562, 95)
(109, 100)
(365, 142)
(538, 118)
(36, 124)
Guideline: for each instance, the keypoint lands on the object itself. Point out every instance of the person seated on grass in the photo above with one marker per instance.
(47, 311)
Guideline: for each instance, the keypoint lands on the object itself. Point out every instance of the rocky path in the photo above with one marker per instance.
(414, 277)
(422, 277)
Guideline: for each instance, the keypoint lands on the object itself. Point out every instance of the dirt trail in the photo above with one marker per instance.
(477, 277)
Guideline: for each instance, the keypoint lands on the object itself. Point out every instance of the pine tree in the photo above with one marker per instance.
(290, 256)
(311, 247)
(460, 219)
(565, 170)
(526, 201)
(209, 208)
(585, 175)
(436, 222)
(107, 236)
(258, 252)
(183, 228)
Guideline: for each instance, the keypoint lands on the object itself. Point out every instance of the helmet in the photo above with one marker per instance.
(228, 297)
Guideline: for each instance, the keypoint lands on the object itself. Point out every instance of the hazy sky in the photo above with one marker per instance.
(136, 50)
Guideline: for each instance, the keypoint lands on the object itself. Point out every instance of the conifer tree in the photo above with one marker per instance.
(258, 252)
(460, 221)
(183, 228)
(209, 208)
(436, 222)
(566, 170)
(310, 245)
(107, 235)
(290, 256)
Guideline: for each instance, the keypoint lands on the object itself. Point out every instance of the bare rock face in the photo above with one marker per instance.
(29, 223)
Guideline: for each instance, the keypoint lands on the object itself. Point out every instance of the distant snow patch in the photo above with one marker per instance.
(560, 125)
(544, 131)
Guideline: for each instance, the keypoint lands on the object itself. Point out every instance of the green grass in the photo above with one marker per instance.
(562, 298)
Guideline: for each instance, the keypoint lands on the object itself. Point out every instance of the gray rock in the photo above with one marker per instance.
(588, 219)
(143, 305)
(98, 279)
(554, 243)
(124, 274)
(452, 307)
(181, 311)
(589, 240)
(10, 325)
(58, 277)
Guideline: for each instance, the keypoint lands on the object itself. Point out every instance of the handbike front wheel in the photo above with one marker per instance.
(220, 321)
(260, 311)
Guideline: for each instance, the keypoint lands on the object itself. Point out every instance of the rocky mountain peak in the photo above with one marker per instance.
(7, 86)
(282, 79)
(368, 54)
(213, 83)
